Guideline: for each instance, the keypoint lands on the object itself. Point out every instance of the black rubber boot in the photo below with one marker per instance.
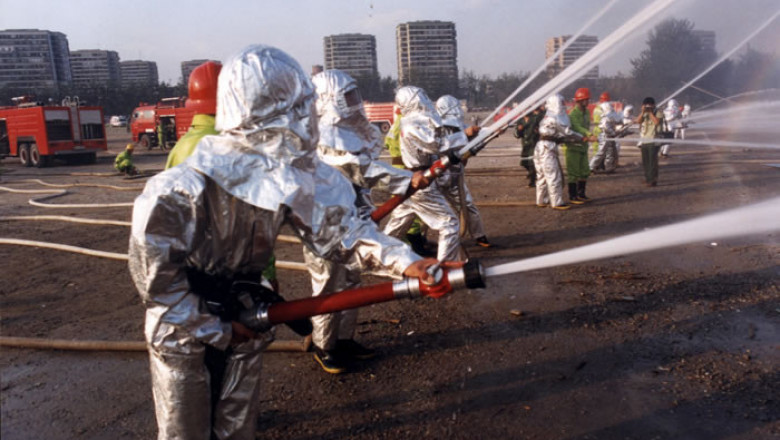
(573, 198)
(349, 349)
(330, 361)
(581, 191)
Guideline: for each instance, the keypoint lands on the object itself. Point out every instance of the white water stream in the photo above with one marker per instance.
(760, 218)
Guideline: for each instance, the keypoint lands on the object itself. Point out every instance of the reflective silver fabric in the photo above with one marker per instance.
(452, 182)
(419, 127)
(219, 213)
(549, 175)
(420, 144)
(685, 114)
(352, 145)
(672, 119)
(606, 155)
(451, 112)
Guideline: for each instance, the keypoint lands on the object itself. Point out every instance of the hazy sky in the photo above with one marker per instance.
(494, 36)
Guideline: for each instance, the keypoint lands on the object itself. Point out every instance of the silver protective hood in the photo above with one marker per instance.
(627, 111)
(343, 127)
(450, 112)
(420, 124)
(556, 109)
(349, 142)
(265, 105)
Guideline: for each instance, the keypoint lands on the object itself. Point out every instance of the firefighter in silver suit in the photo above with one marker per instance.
(606, 156)
(420, 145)
(553, 130)
(203, 226)
(672, 123)
(452, 183)
(352, 145)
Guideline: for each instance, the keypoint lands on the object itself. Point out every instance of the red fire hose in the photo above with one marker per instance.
(470, 276)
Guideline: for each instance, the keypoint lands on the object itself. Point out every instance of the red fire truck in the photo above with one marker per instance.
(170, 113)
(380, 114)
(37, 133)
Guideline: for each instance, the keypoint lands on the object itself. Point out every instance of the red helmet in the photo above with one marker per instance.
(582, 93)
(604, 97)
(203, 88)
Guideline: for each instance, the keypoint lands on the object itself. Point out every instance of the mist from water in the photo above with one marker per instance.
(760, 218)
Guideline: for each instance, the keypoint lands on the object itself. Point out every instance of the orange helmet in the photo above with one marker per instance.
(203, 88)
(604, 97)
(582, 93)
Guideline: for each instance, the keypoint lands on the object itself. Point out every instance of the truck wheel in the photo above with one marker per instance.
(36, 159)
(144, 142)
(24, 155)
(385, 127)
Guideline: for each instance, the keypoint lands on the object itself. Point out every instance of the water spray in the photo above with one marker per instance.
(566, 77)
(709, 143)
(549, 60)
(760, 218)
(724, 57)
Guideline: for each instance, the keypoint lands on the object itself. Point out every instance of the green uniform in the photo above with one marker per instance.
(202, 125)
(124, 162)
(393, 144)
(577, 167)
(647, 132)
(596, 119)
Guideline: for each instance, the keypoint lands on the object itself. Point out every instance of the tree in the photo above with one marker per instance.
(674, 55)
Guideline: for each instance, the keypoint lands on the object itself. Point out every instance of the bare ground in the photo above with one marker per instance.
(677, 343)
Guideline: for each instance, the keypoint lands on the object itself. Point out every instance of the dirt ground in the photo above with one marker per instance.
(681, 343)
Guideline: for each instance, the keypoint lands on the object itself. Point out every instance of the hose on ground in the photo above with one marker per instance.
(91, 345)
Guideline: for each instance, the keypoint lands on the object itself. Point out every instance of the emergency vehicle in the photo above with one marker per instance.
(170, 112)
(380, 114)
(37, 133)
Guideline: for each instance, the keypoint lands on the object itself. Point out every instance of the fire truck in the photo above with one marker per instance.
(170, 113)
(380, 114)
(37, 133)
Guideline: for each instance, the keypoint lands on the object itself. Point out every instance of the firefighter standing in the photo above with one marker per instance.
(650, 122)
(527, 129)
(202, 98)
(352, 145)
(420, 145)
(577, 167)
(201, 227)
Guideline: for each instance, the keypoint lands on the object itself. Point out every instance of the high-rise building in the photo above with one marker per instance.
(706, 40)
(428, 56)
(95, 67)
(578, 48)
(188, 66)
(137, 72)
(33, 59)
(354, 54)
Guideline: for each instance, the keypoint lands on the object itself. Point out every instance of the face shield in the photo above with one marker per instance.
(413, 100)
(264, 96)
(606, 108)
(627, 111)
(338, 96)
(451, 114)
(672, 105)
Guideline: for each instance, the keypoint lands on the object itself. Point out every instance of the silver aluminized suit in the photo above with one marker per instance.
(452, 182)
(218, 213)
(607, 154)
(555, 126)
(684, 115)
(420, 145)
(673, 122)
(352, 145)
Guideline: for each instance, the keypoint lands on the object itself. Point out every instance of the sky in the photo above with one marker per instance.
(494, 36)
